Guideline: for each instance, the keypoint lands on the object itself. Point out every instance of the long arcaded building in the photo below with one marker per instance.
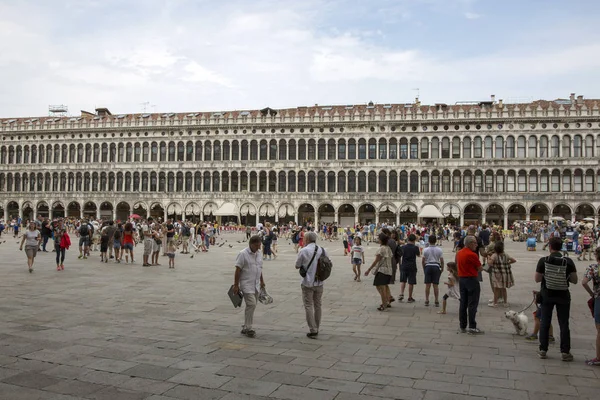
(473, 161)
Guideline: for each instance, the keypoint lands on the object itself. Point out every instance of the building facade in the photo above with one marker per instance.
(477, 162)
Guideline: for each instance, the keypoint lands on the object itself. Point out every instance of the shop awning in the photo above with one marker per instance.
(226, 209)
(430, 211)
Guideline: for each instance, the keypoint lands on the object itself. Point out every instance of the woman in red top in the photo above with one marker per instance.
(587, 247)
(128, 240)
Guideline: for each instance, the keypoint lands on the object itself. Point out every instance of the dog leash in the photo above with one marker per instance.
(526, 308)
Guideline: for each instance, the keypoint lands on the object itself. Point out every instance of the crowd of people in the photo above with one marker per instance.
(479, 252)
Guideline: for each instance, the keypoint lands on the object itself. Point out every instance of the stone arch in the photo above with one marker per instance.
(192, 208)
(58, 209)
(562, 210)
(286, 212)
(472, 213)
(106, 210)
(157, 210)
(306, 213)
(326, 213)
(494, 214)
(516, 212)
(266, 212)
(387, 213)
(12, 209)
(140, 208)
(584, 210)
(28, 211)
(74, 209)
(366, 213)
(451, 212)
(123, 211)
(539, 212)
(248, 214)
(175, 211)
(408, 213)
(90, 209)
(346, 214)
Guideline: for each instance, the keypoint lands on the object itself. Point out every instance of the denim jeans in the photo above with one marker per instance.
(44, 242)
(563, 307)
(470, 290)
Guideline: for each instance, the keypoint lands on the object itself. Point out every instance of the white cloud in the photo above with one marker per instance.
(183, 56)
(470, 15)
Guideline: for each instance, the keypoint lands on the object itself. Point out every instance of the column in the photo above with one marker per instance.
(398, 218)
(296, 217)
(527, 216)
(164, 215)
(356, 218)
(97, 212)
(183, 215)
(505, 221)
(114, 215)
(202, 216)
(483, 217)
(462, 219)
(316, 224)
(573, 217)
(376, 217)
(336, 219)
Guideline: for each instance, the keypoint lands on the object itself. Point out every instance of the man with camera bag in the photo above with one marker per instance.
(312, 289)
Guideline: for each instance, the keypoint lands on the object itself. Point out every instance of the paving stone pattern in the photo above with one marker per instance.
(120, 331)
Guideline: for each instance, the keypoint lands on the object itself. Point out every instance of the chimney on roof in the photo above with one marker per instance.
(102, 111)
(500, 103)
(493, 98)
(579, 99)
(417, 102)
(572, 97)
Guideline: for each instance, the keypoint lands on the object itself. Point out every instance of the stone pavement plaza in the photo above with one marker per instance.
(117, 331)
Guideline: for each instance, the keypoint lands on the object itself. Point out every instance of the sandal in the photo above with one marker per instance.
(437, 303)
(426, 303)
(388, 305)
(593, 362)
(381, 308)
(401, 297)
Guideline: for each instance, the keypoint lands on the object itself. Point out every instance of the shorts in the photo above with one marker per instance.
(31, 251)
(357, 261)
(408, 275)
(432, 274)
(103, 248)
(128, 246)
(84, 241)
(597, 310)
(117, 244)
(185, 239)
(155, 246)
(586, 246)
(538, 313)
(148, 246)
(171, 256)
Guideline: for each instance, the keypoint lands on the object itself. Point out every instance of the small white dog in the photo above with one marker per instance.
(519, 320)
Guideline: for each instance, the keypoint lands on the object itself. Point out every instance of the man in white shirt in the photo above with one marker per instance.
(248, 279)
(433, 265)
(312, 290)
(148, 241)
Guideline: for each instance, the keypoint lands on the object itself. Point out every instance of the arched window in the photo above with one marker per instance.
(113, 152)
(273, 149)
(206, 182)
(499, 147)
(244, 181)
(589, 146)
(456, 182)
(500, 181)
(467, 182)
(372, 149)
(301, 149)
(162, 182)
(292, 149)
(488, 147)
(321, 182)
(178, 182)
(78, 182)
(555, 181)
(197, 181)
(262, 181)
(511, 180)
(488, 184)
(331, 149)
(341, 182)
(456, 147)
(351, 149)
(197, 151)
(403, 182)
(301, 181)
(393, 148)
(566, 146)
(555, 146)
(208, 150)
(136, 181)
(589, 180)
(163, 151)
(291, 181)
(94, 182)
(245, 149)
(216, 182)
(424, 182)
(263, 150)
(341, 149)
(522, 181)
(180, 151)
(521, 147)
(477, 150)
(86, 182)
(272, 181)
(382, 149)
(533, 181)
(445, 147)
(282, 184)
(189, 182)
(382, 182)
(57, 158)
(217, 150)
(351, 181)
(331, 182)
(153, 182)
(49, 154)
(65, 154)
(414, 182)
(102, 182)
(235, 150)
(403, 148)
(414, 149)
(11, 155)
(312, 149)
(566, 181)
(467, 147)
(544, 150)
(136, 154)
(362, 150)
(282, 149)
(372, 182)
(154, 151)
(435, 148)
(435, 181)
(578, 180)
(446, 181)
(425, 148)
(311, 182)
(189, 151)
(544, 181)
(577, 146)
(226, 150)
(362, 181)
(34, 154)
(393, 182)
(128, 153)
(234, 182)
(322, 150)
(532, 150)
(510, 147)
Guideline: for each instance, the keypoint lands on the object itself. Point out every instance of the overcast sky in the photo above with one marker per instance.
(200, 55)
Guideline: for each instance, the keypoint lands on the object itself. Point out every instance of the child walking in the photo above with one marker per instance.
(453, 289)
(104, 246)
(357, 255)
(537, 318)
(171, 253)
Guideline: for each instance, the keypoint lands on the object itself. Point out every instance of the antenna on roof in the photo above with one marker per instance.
(418, 92)
(58, 110)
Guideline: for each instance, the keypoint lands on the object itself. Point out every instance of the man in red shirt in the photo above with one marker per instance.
(467, 261)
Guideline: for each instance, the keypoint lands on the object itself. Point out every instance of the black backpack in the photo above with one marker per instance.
(84, 230)
(324, 266)
(185, 231)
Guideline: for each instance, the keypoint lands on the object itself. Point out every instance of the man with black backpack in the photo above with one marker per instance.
(555, 272)
(314, 267)
(84, 239)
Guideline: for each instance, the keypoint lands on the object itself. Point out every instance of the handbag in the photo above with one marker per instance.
(591, 302)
